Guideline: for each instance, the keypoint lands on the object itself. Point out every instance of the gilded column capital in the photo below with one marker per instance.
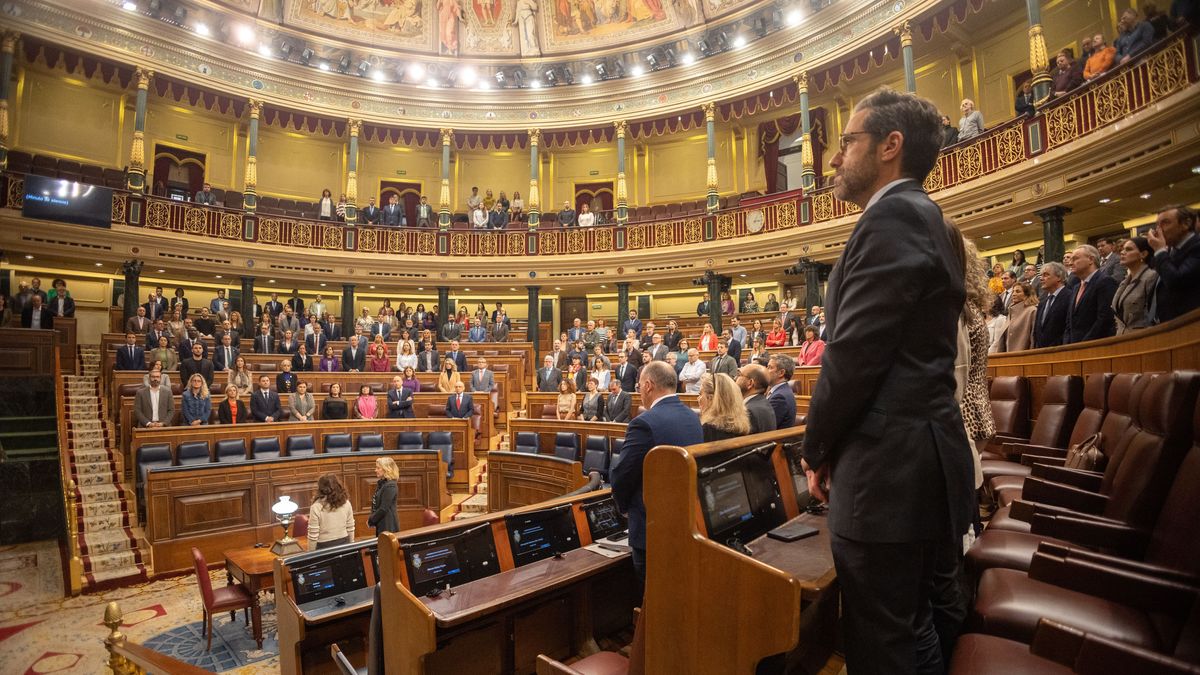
(801, 81)
(1039, 59)
(143, 77)
(621, 126)
(354, 126)
(8, 41)
(535, 136)
(904, 30)
(710, 111)
(255, 107)
(447, 136)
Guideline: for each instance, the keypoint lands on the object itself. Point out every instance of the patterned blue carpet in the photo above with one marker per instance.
(233, 643)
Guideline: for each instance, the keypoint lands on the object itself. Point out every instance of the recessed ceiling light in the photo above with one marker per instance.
(202, 29)
(244, 34)
(512, 289)
(162, 271)
(649, 283)
(687, 59)
(794, 17)
(420, 288)
(28, 257)
(131, 6)
(739, 42)
(270, 281)
(586, 79)
(467, 75)
(485, 85)
(265, 50)
(416, 71)
(378, 76)
(557, 288)
(323, 66)
(1105, 200)
(1196, 170)
(322, 285)
(987, 236)
(372, 288)
(1145, 195)
(637, 70)
(220, 277)
(536, 84)
(603, 286)
(99, 264)
(1026, 222)
(431, 82)
(466, 289)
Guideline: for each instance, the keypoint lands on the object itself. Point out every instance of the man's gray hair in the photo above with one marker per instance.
(1091, 252)
(1055, 268)
(661, 375)
(784, 363)
(916, 119)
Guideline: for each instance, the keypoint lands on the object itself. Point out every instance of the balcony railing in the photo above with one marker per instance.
(1161, 72)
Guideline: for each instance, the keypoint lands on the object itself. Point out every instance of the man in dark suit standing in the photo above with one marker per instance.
(399, 400)
(198, 363)
(458, 356)
(667, 421)
(264, 403)
(274, 307)
(1091, 313)
(626, 373)
(354, 358)
(1051, 321)
(225, 355)
(702, 307)
(428, 361)
(459, 405)
(780, 396)
(317, 341)
(886, 444)
(424, 213)
(752, 380)
(549, 376)
(371, 214)
(393, 214)
(619, 403)
(131, 356)
(264, 342)
(1176, 260)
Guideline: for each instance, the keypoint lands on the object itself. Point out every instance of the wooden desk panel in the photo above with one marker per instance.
(519, 479)
(27, 353)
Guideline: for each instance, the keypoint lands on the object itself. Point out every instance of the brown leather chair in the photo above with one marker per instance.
(230, 597)
(603, 663)
(1157, 441)
(1057, 427)
(1148, 594)
(300, 526)
(1010, 408)
(1117, 420)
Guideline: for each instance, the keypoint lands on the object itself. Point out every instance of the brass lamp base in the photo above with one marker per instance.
(286, 546)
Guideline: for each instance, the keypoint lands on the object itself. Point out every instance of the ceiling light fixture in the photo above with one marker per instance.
(379, 76)
(739, 41)
(416, 72)
(28, 256)
(432, 82)
(265, 50)
(467, 76)
(485, 85)
(637, 70)
(100, 264)
(1196, 170)
(586, 79)
(1026, 222)
(794, 17)
(129, 5)
(987, 236)
(244, 34)
(687, 58)
(536, 84)
(1145, 195)
(324, 65)
(220, 277)
(162, 271)
(202, 29)
(1105, 200)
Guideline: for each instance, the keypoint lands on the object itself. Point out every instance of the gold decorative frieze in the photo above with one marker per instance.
(231, 226)
(693, 231)
(637, 236)
(1168, 71)
(726, 226)
(158, 214)
(1010, 146)
(268, 231)
(120, 201)
(459, 244)
(822, 205)
(425, 243)
(515, 243)
(785, 214)
(933, 181)
(576, 241)
(397, 243)
(332, 237)
(1061, 126)
(302, 234)
(970, 162)
(1112, 101)
(368, 241)
(603, 240)
(195, 220)
(548, 243)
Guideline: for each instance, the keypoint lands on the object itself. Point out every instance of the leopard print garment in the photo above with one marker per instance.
(976, 404)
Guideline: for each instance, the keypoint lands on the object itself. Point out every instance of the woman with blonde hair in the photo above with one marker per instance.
(708, 339)
(383, 503)
(331, 516)
(970, 124)
(722, 411)
(448, 377)
(197, 404)
(405, 356)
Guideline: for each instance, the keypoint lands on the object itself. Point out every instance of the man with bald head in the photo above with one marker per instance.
(753, 381)
(1090, 314)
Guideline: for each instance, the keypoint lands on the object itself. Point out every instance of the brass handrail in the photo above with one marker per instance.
(73, 574)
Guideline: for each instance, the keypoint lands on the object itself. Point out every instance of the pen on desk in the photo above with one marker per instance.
(614, 549)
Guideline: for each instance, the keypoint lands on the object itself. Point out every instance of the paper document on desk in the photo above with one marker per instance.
(608, 550)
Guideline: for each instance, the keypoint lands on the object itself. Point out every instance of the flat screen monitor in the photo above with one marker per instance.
(739, 495)
(67, 201)
(465, 555)
(604, 518)
(536, 535)
(323, 577)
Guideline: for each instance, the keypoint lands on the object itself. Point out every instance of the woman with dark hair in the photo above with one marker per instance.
(179, 302)
(1018, 334)
(366, 405)
(566, 405)
(325, 207)
(379, 361)
(335, 407)
(812, 348)
(1131, 304)
(772, 304)
(749, 304)
(383, 503)
(331, 516)
(329, 361)
(410, 379)
(1018, 263)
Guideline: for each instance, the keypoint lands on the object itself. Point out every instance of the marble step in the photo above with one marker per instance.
(477, 504)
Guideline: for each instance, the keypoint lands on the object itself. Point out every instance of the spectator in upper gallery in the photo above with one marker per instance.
(1067, 74)
(489, 200)
(474, 200)
(812, 348)
(425, 214)
(749, 304)
(1161, 23)
(727, 306)
(138, 323)
(1024, 102)
(1176, 260)
(1134, 297)
(370, 214)
(702, 308)
(949, 132)
(206, 196)
(225, 354)
(566, 217)
(154, 406)
(60, 301)
(1091, 313)
(264, 403)
(273, 307)
(498, 217)
(517, 207)
(970, 124)
(1110, 259)
(393, 212)
(502, 200)
(772, 304)
(479, 218)
(1022, 312)
(37, 315)
(340, 210)
(325, 206)
(586, 217)
(1133, 36)
(722, 411)
(196, 364)
(196, 403)
(130, 356)
(1102, 59)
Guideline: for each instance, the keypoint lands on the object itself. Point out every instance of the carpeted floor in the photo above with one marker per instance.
(43, 632)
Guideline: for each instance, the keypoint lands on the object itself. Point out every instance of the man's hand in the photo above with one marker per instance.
(1156, 240)
(817, 481)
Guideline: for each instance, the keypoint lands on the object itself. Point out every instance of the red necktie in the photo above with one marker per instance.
(458, 403)
(1079, 294)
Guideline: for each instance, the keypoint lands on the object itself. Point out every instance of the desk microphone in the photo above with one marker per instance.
(339, 601)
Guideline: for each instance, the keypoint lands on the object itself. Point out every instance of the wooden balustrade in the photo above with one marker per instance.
(519, 479)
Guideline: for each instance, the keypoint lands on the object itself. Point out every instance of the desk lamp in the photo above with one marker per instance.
(284, 509)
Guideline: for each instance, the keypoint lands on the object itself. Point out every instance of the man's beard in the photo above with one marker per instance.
(851, 185)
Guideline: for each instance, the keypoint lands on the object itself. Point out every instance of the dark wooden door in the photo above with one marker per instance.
(571, 309)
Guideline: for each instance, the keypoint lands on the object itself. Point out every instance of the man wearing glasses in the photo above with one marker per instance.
(885, 443)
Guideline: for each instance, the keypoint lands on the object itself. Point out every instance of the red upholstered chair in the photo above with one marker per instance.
(1010, 408)
(300, 526)
(430, 517)
(231, 597)
(603, 663)
(1062, 399)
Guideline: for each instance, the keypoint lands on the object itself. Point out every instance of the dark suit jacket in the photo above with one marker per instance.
(219, 362)
(671, 340)
(702, 308)
(274, 307)
(191, 366)
(629, 379)
(1048, 332)
(68, 306)
(783, 406)
(464, 412)
(306, 364)
(392, 214)
(616, 408)
(261, 408)
(155, 310)
(669, 422)
(883, 416)
(47, 321)
(1092, 317)
(264, 344)
(152, 338)
(634, 325)
(383, 507)
(429, 361)
(762, 415)
(384, 329)
(284, 347)
(356, 362)
(225, 413)
(127, 362)
(185, 349)
(547, 381)
(399, 403)
(1178, 280)
(370, 215)
(460, 360)
(315, 346)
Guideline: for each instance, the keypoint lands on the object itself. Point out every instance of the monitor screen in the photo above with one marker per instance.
(456, 558)
(67, 201)
(536, 535)
(739, 494)
(604, 519)
(323, 577)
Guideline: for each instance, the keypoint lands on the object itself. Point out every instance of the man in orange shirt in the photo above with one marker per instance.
(1101, 59)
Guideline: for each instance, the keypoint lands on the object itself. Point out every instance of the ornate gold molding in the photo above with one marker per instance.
(352, 187)
(535, 136)
(255, 107)
(251, 172)
(353, 126)
(710, 111)
(8, 41)
(711, 178)
(904, 30)
(143, 77)
(447, 136)
(801, 81)
(621, 126)
(1039, 61)
(137, 151)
